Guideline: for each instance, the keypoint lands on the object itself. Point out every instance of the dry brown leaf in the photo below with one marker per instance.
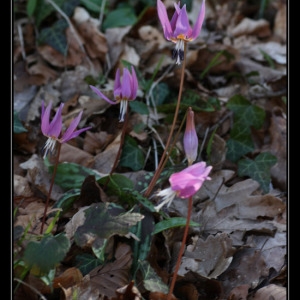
(208, 258)
(247, 267)
(68, 278)
(78, 156)
(260, 28)
(104, 161)
(270, 291)
(239, 293)
(278, 148)
(94, 40)
(38, 175)
(74, 57)
(128, 292)
(95, 142)
(280, 22)
(113, 275)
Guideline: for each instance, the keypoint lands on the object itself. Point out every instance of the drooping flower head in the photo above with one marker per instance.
(178, 30)
(125, 89)
(190, 138)
(53, 130)
(184, 184)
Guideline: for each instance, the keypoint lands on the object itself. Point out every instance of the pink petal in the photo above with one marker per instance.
(182, 24)
(199, 22)
(164, 20)
(102, 95)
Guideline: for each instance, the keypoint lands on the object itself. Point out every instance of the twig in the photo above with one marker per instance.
(162, 160)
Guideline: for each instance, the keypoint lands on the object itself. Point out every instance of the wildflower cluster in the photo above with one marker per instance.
(183, 184)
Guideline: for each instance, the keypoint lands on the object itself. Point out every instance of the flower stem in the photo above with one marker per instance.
(162, 160)
(182, 247)
(117, 159)
(51, 186)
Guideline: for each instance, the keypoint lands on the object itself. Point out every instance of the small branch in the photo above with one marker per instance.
(182, 247)
(160, 166)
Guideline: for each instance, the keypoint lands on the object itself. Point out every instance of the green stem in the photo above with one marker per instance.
(162, 160)
(182, 247)
(51, 186)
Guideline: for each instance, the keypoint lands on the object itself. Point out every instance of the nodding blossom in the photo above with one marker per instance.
(178, 30)
(190, 138)
(124, 90)
(53, 129)
(184, 184)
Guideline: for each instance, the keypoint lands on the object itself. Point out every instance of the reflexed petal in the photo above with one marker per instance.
(55, 126)
(199, 22)
(45, 118)
(70, 133)
(101, 95)
(164, 20)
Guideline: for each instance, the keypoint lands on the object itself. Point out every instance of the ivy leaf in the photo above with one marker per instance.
(245, 113)
(18, 126)
(132, 156)
(240, 142)
(139, 107)
(53, 247)
(87, 262)
(120, 17)
(258, 169)
(55, 36)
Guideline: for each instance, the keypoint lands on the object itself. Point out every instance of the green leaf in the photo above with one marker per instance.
(258, 169)
(67, 200)
(92, 5)
(55, 36)
(119, 17)
(68, 6)
(104, 220)
(117, 184)
(246, 116)
(86, 262)
(245, 113)
(152, 282)
(18, 126)
(70, 175)
(54, 248)
(239, 144)
(161, 93)
(30, 7)
(171, 223)
(132, 156)
(139, 107)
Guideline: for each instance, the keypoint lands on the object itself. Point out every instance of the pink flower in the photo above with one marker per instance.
(178, 30)
(190, 138)
(124, 91)
(185, 184)
(53, 129)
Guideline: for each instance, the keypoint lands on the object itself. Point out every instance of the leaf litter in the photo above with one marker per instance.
(239, 249)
